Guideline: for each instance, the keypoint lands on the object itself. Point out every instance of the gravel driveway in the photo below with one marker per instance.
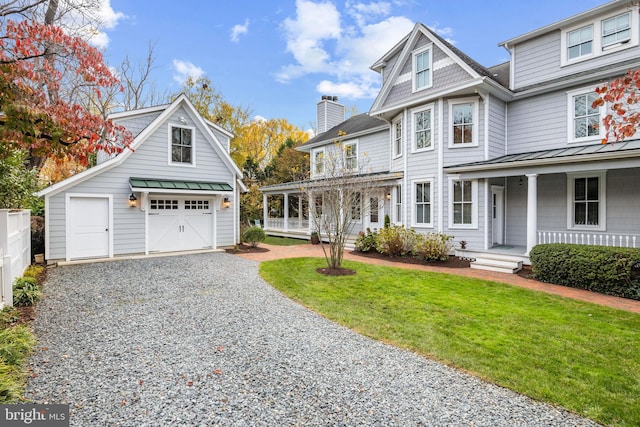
(202, 340)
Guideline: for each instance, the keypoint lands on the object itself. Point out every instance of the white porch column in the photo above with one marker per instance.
(532, 211)
(265, 210)
(286, 212)
(299, 211)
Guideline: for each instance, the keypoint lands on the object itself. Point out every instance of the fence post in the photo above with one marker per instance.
(6, 280)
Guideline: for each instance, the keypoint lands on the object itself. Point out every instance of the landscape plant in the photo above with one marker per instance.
(366, 242)
(396, 241)
(433, 246)
(26, 291)
(253, 236)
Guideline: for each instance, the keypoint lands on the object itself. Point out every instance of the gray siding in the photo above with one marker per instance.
(329, 114)
(497, 118)
(538, 123)
(516, 211)
(150, 160)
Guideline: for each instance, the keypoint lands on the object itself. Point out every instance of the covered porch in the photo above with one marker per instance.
(586, 195)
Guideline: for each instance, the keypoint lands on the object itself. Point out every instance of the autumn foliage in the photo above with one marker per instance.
(34, 59)
(622, 97)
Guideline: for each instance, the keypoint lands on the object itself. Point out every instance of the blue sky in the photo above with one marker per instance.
(279, 56)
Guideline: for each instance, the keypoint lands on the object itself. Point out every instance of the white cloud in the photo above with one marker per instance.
(184, 70)
(320, 44)
(93, 22)
(239, 30)
(259, 119)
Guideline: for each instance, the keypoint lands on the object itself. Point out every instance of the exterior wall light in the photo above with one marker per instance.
(226, 202)
(132, 200)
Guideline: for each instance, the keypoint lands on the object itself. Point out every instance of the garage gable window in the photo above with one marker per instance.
(181, 145)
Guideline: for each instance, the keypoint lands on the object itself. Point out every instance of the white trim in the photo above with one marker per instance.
(422, 180)
(47, 228)
(414, 112)
(571, 139)
(597, 46)
(474, 204)
(602, 199)
(67, 219)
(440, 165)
(475, 121)
(429, 49)
(170, 162)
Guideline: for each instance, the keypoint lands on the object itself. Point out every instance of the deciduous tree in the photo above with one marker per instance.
(622, 97)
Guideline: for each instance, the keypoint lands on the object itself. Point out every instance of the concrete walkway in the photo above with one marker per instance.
(308, 250)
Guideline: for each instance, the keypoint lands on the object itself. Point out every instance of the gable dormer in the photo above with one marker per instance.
(598, 43)
(424, 67)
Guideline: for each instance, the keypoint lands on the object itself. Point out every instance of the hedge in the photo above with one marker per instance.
(608, 270)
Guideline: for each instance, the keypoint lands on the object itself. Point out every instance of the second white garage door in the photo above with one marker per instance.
(180, 224)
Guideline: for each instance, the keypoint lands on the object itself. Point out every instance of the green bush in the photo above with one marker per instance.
(396, 241)
(433, 246)
(608, 270)
(25, 291)
(33, 271)
(253, 236)
(366, 242)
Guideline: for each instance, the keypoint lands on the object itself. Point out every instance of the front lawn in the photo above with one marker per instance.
(581, 356)
(284, 241)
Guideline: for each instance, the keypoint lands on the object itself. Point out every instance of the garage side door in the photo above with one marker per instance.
(88, 227)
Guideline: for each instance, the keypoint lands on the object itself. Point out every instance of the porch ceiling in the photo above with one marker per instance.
(301, 186)
(626, 154)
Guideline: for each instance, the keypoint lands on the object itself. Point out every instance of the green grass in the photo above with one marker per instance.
(284, 241)
(581, 356)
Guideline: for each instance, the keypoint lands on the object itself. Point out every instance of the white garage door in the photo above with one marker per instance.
(88, 224)
(177, 224)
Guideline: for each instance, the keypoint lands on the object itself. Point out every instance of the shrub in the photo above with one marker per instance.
(25, 291)
(366, 242)
(608, 270)
(396, 240)
(34, 271)
(8, 316)
(387, 221)
(15, 345)
(37, 235)
(433, 246)
(253, 236)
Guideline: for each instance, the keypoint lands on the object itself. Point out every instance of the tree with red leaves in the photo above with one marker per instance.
(32, 115)
(622, 96)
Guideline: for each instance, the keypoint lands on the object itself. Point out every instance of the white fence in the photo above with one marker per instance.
(595, 239)
(15, 250)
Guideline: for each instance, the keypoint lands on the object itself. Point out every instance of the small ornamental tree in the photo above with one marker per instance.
(33, 116)
(338, 199)
(622, 96)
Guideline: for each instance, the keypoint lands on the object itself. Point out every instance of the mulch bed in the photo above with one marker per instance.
(245, 249)
(452, 262)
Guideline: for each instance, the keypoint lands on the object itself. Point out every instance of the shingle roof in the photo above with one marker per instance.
(355, 124)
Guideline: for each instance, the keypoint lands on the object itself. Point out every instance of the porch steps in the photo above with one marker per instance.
(497, 262)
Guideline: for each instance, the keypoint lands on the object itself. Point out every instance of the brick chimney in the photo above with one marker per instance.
(330, 113)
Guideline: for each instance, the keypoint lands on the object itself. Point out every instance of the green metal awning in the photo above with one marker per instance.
(177, 185)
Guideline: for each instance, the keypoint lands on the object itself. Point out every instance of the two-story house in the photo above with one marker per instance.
(510, 156)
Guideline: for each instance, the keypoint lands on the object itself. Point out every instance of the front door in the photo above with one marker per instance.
(497, 215)
(375, 212)
(88, 227)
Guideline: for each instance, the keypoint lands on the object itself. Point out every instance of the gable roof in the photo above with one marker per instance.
(169, 109)
(406, 46)
(354, 126)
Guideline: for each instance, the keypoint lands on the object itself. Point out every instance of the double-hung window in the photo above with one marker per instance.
(422, 129)
(397, 138)
(350, 156)
(398, 195)
(586, 194)
(423, 204)
(580, 42)
(318, 162)
(182, 147)
(585, 120)
(463, 202)
(422, 69)
(463, 122)
(616, 30)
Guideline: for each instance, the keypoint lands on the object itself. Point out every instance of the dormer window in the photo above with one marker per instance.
(616, 30)
(580, 42)
(422, 69)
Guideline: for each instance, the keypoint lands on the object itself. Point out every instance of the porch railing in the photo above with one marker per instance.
(294, 224)
(595, 239)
